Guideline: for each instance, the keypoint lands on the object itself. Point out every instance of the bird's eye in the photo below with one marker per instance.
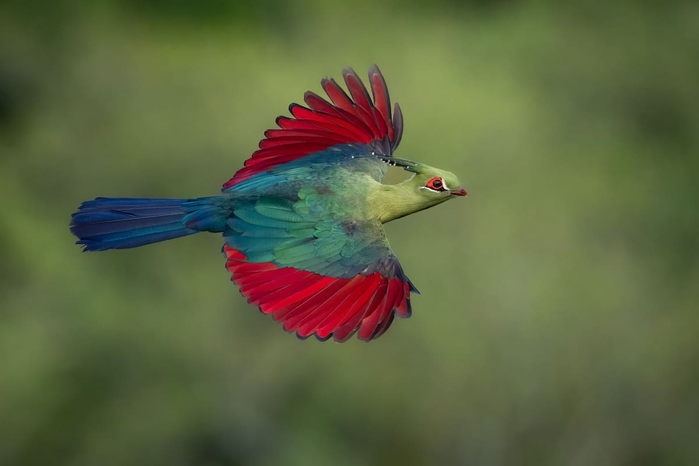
(436, 184)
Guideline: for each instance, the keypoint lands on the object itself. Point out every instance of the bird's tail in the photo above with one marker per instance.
(120, 223)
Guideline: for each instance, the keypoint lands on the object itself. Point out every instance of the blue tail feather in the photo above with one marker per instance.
(119, 223)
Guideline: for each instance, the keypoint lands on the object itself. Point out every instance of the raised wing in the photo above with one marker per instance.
(315, 274)
(346, 119)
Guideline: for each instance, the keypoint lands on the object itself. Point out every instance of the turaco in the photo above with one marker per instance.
(302, 221)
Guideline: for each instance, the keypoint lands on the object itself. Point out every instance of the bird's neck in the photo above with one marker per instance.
(389, 202)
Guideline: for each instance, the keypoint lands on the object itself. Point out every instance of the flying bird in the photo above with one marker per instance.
(303, 219)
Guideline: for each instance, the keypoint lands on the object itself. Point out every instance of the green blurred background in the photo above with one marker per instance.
(559, 314)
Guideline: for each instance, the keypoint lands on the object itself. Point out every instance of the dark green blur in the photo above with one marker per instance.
(559, 316)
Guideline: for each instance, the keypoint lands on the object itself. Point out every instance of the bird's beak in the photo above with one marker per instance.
(458, 192)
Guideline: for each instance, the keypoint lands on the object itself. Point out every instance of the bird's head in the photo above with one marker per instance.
(435, 185)
(427, 187)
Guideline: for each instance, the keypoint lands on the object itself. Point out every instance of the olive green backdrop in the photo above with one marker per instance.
(559, 316)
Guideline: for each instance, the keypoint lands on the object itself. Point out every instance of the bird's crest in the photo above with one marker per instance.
(405, 164)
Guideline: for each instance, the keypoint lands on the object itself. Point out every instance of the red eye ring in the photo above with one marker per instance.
(436, 184)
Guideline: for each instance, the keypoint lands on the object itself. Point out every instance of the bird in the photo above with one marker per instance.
(302, 221)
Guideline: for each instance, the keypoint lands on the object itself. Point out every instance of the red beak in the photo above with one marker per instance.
(458, 192)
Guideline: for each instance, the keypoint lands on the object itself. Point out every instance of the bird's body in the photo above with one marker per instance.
(302, 222)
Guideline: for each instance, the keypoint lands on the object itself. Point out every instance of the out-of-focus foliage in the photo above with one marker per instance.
(558, 322)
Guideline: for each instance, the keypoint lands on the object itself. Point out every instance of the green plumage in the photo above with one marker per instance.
(331, 224)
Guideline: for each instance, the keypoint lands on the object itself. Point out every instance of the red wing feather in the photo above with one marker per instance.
(308, 325)
(357, 89)
(382, 101)
(393, 298)
(319, 104)
(343, 120)
(289, 140)
(327, 126)
(371, 321)
(311, 304)
(356, 321)
(305, 135)
(338, 95)
(358, 301)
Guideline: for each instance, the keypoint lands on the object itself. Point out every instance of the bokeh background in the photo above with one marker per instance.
(559, 317)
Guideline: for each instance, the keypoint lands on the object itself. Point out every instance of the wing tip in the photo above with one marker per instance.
(279, 118)
(348, 70)
(322, 339)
